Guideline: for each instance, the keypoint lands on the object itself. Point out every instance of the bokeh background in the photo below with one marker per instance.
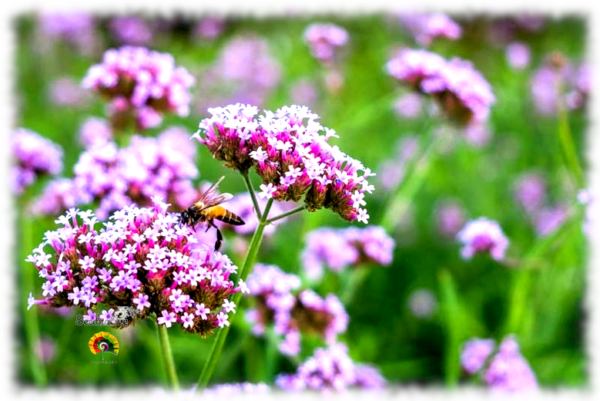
(410, 318)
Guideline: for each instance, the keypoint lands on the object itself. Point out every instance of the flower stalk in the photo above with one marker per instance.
(165, 347)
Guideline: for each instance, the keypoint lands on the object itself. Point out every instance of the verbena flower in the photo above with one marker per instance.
(304, 91)
(518, 55)
(560, 80)
(409, 105)
(94, 131)
(76, 28)
(33, 156)
(461, 91)
(422, 303)
(208, 28)
(141, 85)
(509, 371)
(131, 30)
(244, 72)
(338, 249)
(325, 41)
(331, 369)
(474, 353)
(60, 194)
(530, 191)
(549, 219)
(426, 27)
(292, 313)
(450, 218)
(45, 350)
(141, 258)
(483, 236)
(66, 91)
(148, 167)
(290, 155)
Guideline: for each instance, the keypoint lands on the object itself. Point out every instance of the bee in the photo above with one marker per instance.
(207, 209)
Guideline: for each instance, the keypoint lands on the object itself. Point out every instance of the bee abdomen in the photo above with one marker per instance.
(230, 218)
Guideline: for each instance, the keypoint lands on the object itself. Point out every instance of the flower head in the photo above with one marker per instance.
(482, 235)
(509, 371)
(295, 160)
(131, 30)
(475, 353)
(129, 262)
(459, 89)
(33, 156)
(76, 28)
(518, 55)
(94, 131)
(331, 369)
(141, 85)
(325, 41)
(339, 248)
(426, 27)
(450, 218)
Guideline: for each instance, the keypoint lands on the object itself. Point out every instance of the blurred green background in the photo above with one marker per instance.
(478, 298)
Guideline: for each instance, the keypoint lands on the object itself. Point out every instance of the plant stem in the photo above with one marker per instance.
(568, 146)
(252, 194)
(32, 328)
(165, 346)
(221, 335)
(286, 214)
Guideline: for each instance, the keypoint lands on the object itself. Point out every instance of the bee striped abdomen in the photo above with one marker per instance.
(224, 215)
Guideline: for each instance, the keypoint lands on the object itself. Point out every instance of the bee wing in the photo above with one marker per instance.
(209, 193)
(217, 200)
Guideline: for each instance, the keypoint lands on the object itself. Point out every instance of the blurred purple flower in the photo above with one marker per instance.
(60, 194)
(245, 72)
(530, 192)
(325, 41)
(209, 28)
(331, 369)
(67, 92)
(549, 219)
(474, 354)
(339, 248)
(45, 350)
(461, 91)
(425, 27)
(409, 105)
(33, 156)
(422, 303)
(304, 92)
(140, 84)
(559, 80)
(518, 55)
(131, 30)
(290, 155)
(482, 235)
(477, 135)
(450, 218)
(76, 28)
(94, 131)
(509, 371)
(143, 259)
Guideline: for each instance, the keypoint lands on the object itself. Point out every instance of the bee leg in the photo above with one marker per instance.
(219, 237)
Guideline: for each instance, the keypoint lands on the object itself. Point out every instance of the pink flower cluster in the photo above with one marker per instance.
(426, 27)
(461, 91)
(508, 371)
(143, 259)
(291, 313)
(148, 167)
(141, 85)
(339, 248)
(325, 41)
(331, 369)
(33, 156)
(480, 236)
(290, 155)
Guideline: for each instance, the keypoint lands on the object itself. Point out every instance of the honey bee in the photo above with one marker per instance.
(207, 209)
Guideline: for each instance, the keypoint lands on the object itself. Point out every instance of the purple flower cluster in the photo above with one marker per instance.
(291, 313)
(339, 248)
(426, 27)
(518, 55)
(148, 167)
(331, 369)
(450, 218)
(95, 131)
(76, 28)
(33, 156)
(290, 155)
(245, 72)
(131, 30)
(59, 195)
(142, 258)
(482, 235)
(325, 41)
(409, 105)
(560, 80)
(67, 92)
(474, 354)
(141, 85)
(460, 90)
(209, 28)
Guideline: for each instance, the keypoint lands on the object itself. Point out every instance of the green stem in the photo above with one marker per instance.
(286, 214)
(165, 346)
(221, 335)
(252, 194)
(32, 328)
(568, 145)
